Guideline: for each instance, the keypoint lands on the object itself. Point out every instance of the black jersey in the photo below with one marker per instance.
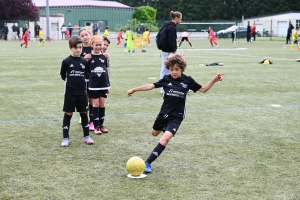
(97, 68)
(73, 70)
(86, 50)
(175, 94)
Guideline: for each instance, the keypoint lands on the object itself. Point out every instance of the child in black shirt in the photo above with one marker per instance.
(176, 86)
(99, 85)
(73, 71)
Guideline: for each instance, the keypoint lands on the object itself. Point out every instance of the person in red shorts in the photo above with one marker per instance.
(25, 38)
(212, 37)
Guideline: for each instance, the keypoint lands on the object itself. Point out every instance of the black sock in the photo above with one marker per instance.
(91, 113)
(66, 125)
(180, 44)
(101, 116)
(85, 124)
(96, 117)
(155, 153)
(190, 44)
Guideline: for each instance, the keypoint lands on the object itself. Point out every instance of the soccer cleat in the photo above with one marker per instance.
(65, 142)
(91, 126)
(88, 140)
(217, 46)
(148, 168)
(103, 129)
(97, 131)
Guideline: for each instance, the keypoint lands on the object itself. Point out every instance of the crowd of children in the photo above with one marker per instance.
(91, 63)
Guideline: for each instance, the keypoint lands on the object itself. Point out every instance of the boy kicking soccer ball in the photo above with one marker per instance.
(176, 86)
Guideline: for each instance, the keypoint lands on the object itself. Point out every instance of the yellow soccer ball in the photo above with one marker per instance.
(135, 166)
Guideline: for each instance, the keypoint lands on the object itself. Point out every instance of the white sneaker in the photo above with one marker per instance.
(88, 140)
(65, 142)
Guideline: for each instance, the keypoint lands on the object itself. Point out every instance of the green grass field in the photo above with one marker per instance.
(232, 145)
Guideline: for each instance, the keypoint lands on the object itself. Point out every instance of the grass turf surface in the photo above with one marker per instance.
(232, 145)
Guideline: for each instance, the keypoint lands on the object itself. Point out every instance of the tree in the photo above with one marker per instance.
(145, 13)
(18, 10)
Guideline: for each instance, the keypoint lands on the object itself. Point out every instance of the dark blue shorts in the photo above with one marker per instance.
(167, 123)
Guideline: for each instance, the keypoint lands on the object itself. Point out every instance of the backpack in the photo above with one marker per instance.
(161, 38)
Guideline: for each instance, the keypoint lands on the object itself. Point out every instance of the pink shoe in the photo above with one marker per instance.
(97, 131)
(103, 129)
(91, 126)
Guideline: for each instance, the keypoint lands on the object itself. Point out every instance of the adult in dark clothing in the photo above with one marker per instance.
(5, 31)
(289, 33)
(37, 30)
(24, 29)
(70, 29)
(95, 29)
(14, 30)
(18, 32)
(248, 32)
(172, 41)
(142, 29)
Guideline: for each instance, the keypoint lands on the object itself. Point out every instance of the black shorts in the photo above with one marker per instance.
(75, 101)
(167, 123)
(184, 38)
(96, 94)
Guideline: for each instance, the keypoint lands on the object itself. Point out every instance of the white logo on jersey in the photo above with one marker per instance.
(96, 118)
(101, 60)
(71, 65)
(92, 61)
(155, 153)
(65, 127)
(98, 71)
(170, 84)
(84, 53)
(183, 85)
(174, 129)
(171, 90)
(82, 65)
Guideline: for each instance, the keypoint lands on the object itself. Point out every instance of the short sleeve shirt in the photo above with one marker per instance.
(99, 79)
(175, 94)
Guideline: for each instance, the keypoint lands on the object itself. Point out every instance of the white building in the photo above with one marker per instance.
(276, 24)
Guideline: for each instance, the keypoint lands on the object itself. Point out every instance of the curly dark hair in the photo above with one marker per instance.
(176, 59)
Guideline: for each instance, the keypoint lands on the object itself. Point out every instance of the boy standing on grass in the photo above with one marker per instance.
(25, 38)
(41, 37)
(176, 86)
(106, 34)
(119, 37)
(295, 39)
(73, 71)
(212, 37)
(184, 36)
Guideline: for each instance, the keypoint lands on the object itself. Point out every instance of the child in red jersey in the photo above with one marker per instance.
(212, 37)
(25, 37)
(119, 37)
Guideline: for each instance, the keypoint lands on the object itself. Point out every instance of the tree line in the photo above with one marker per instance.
(203, 10)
